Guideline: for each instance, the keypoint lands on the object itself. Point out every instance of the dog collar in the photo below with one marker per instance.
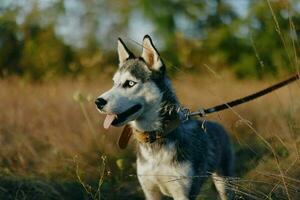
(147, 136)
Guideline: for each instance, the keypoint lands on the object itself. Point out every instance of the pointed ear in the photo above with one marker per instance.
(151, 55)
(123, 52)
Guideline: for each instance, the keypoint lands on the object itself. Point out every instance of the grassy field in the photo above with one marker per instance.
(53, 145)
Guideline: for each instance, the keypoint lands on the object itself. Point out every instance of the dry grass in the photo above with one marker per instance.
(42, 130)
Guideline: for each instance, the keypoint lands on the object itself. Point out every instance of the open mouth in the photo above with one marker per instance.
(120, 118)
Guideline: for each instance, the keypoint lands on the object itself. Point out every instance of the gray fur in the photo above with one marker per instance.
(137, 68)
(178, 164)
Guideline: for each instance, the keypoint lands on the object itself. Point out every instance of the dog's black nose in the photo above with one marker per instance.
(100, 102)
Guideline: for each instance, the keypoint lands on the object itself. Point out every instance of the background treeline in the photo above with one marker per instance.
(44, 39)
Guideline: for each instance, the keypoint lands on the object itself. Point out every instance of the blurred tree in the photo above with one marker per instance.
(44, 38)
(32, 48)
(43, 55)
(10, 48)
(272, 39)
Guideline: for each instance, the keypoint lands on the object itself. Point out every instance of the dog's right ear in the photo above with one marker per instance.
(123, 52)
(151, 55)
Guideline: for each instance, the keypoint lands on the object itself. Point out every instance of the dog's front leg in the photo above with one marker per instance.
(179, 189)
(152, 194)
(180, 195)
(150, 190)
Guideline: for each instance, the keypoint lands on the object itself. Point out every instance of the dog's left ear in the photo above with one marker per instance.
(151, 55)
(123, 52)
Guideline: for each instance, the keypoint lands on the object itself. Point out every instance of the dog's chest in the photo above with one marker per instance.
(158, 168)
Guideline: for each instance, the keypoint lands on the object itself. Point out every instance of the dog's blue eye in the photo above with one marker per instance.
(129, 84)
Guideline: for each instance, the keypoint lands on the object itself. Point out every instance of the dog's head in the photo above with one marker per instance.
(136, 93)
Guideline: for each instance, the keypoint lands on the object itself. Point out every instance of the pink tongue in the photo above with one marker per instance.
(108, 120)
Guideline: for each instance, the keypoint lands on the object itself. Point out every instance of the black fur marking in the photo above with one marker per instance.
(139, 73)
(131, 55)
(137, 68)
(141, 59)
(147, 36)
(124, 115)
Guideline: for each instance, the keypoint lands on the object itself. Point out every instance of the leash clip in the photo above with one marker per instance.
(201, 112)
(186, 113)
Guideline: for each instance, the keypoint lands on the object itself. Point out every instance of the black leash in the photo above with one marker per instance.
(203, 112)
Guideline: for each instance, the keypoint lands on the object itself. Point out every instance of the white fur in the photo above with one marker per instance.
(220, 185)
(160, 175)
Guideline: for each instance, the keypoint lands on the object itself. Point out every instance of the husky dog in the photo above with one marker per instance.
(174, 157)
